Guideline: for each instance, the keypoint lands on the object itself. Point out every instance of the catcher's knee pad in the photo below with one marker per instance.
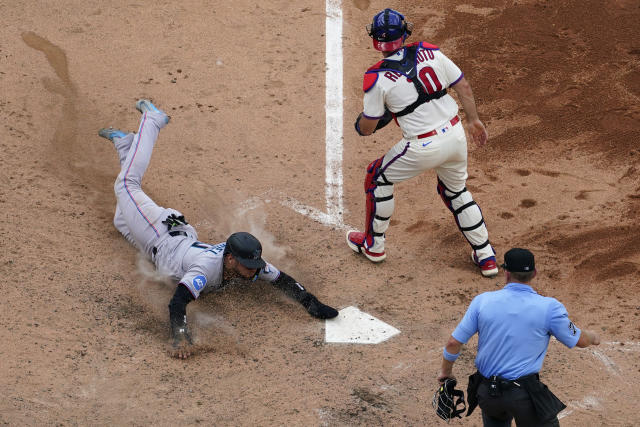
(379, 195)
(467, 214)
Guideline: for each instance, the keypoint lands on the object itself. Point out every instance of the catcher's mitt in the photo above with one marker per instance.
(443, 400)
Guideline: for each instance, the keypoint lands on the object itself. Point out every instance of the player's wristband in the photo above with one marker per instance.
(448, 356)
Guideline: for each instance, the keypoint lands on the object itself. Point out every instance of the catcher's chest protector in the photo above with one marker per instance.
(408, 67)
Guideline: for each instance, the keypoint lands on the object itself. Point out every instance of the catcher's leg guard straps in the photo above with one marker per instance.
(379, 195)
(468, 217)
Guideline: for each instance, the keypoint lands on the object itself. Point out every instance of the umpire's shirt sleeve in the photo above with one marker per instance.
(560, 326)
(468, 326)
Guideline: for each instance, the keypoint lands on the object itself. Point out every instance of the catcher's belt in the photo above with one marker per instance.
(447, 399)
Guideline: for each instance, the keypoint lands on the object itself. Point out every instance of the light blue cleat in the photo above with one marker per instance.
(110, 133)
(144, 105)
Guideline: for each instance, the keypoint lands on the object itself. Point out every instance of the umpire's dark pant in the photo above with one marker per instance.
(513, 403)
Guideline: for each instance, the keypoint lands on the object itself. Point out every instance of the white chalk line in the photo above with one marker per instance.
(334, 214)
(333, 111)
(591, 402)
(268, 196)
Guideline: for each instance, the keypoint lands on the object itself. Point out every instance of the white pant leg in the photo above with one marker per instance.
(452, 170)
(446, 153)
(123, 145)
(121, 226)
(141, 215)
(409, 158)
(468, 216)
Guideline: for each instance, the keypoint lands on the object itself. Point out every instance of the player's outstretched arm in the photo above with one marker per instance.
(296, 291)
(181, 343)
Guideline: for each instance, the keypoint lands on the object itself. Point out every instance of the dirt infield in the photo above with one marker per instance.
(84, 319)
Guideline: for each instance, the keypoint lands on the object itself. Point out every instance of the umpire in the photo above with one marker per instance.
(514, 325)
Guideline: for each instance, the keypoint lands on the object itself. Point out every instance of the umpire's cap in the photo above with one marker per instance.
(519, 260)
(246, 249)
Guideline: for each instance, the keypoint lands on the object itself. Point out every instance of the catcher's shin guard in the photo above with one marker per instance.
(469, 219)
(380, 205)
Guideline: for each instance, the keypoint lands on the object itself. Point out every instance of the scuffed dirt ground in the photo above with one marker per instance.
(84, 319)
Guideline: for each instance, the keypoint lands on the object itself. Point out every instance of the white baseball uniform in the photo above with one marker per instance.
(433, 138)
(176, 252)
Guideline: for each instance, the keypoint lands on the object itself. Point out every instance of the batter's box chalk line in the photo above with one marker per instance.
(331, 218)
(334, 123)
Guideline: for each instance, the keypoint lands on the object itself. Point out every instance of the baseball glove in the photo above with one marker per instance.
(443, 400)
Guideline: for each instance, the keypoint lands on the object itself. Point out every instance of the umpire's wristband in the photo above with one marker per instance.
(448, 356)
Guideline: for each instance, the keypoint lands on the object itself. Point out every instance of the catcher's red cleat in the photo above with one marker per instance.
(488, 266)
(355, 240)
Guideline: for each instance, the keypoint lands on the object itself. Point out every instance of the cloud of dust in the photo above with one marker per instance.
(155, 288)
(249, 214)
(209, 331)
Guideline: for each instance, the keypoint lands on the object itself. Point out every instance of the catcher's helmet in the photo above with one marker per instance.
(389, 30)
(246, 249)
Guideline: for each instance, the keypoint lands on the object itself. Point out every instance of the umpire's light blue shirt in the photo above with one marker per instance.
(514, 325)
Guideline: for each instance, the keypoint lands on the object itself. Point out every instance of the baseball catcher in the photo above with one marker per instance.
(409, 86)
(172, 244)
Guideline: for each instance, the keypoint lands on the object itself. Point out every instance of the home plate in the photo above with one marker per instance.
(357, 327)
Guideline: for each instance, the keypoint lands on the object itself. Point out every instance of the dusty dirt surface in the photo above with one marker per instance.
(84, 319)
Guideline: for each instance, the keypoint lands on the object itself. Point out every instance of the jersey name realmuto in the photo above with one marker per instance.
(391, 88)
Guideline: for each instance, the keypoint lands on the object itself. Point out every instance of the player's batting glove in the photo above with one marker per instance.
(180, 334)
(318, 309)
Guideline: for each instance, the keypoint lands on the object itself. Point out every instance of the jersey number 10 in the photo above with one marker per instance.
(429, 80)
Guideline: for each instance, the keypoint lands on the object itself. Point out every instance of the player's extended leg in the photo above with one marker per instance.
(121, 225)
(142, 216)
(122, 143)
(379, 207)
(396, 166)
(467, 215)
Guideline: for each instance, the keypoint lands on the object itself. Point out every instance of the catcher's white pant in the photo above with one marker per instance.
(446, 153)
(137, 217)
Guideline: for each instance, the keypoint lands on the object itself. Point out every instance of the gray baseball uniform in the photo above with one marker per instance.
(175, 250)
